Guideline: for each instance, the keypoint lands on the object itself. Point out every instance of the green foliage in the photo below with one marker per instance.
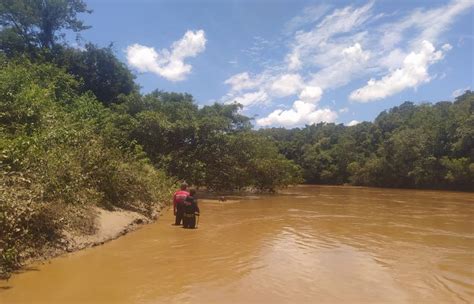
(424, 146)
(25, 223)
(213, 146)
(459, 172)
(267, 169)
(30, 25)
(55, 152)
(99, 70)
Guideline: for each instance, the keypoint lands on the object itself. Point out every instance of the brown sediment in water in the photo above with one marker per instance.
(216, 201)
(318, 245)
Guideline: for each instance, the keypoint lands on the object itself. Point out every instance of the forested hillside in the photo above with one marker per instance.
(414, 146)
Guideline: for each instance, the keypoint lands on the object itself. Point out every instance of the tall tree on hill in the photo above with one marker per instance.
(29, 25)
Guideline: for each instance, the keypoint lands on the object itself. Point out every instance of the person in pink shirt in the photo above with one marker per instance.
(178, 203)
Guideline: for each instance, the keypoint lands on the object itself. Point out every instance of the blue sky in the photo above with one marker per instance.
(292, 63)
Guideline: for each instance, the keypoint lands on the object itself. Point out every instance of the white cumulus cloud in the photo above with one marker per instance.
(459, 92)
(328, 48)
(311, 94)
(343, 64)
(242, 81)
(293, 60)
(355, 52)
(413, 73)
(353, 123)
(286, 85)
(168, 63)
(251, 99)
(301, 113)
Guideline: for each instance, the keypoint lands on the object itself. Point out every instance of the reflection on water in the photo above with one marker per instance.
(307, 244)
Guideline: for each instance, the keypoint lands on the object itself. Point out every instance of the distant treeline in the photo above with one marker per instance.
(413, 146)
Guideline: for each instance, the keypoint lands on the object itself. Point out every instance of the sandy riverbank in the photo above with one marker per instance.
(110, 225)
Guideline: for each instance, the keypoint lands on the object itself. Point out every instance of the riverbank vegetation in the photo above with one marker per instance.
(76, 132)
(409, 146)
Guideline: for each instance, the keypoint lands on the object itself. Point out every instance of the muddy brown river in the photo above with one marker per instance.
(308, 244)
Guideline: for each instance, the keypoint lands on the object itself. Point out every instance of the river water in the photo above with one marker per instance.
(308, 244)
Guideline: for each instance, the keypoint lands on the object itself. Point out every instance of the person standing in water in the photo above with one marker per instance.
(191, 210)
(178, 201)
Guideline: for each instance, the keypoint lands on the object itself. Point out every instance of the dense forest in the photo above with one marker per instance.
(409, 146)
(76, 132)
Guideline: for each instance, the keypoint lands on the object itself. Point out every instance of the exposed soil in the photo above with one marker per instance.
(110, 225)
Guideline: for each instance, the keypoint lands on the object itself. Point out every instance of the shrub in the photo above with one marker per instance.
(56, 162)
(25, 222)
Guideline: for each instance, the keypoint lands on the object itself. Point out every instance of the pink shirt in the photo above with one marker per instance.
(179, 197)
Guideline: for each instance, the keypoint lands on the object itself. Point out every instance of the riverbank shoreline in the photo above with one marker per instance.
(110, 225)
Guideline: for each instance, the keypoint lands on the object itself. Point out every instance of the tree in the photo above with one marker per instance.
(423, 146)
(38, 24)
(100, 70)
